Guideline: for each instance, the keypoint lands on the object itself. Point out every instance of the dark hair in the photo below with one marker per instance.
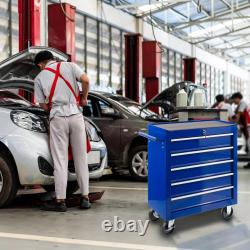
(237, 95)
(220, 98)
(43, 56)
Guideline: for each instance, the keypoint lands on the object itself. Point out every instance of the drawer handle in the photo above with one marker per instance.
(200, 137)
(201, 165)
(201, 179)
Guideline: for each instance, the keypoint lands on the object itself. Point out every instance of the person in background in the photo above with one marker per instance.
(221, 104)
(242, 117)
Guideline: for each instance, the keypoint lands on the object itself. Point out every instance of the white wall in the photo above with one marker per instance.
(131, 24)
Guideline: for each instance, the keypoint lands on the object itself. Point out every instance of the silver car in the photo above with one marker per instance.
(25, 158)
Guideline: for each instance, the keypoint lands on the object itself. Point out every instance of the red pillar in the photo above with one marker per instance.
(189, 69)
(29, 23)
(151, 69)
(61, 30)
(29, 29)
(133, 65)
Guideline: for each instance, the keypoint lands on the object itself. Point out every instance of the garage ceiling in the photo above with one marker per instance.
(219, 26)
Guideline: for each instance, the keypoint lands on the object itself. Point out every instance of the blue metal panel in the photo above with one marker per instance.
(157, 150)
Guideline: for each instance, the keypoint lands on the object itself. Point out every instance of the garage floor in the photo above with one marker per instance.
(26, 227)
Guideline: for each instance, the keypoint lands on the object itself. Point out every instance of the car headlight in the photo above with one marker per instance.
(28, 121)
(92, 132)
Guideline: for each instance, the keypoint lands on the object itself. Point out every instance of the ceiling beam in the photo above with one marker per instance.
(206, 21)
(202, 9)
(164, 7)
(245, 45)
(209, 19)
(220, 35)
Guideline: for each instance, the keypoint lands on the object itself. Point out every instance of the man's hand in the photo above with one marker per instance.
(84, 102)
(44, 106)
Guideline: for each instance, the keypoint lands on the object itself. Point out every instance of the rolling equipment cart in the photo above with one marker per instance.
(192, 168)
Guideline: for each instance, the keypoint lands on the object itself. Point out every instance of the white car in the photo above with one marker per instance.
(25, 158)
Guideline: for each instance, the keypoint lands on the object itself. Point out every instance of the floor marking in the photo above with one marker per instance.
(120, 188)
(143, 189)
(69, 241)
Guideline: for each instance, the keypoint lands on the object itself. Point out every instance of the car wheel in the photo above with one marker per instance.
(72, 187)
(138, 163)
(8, 181)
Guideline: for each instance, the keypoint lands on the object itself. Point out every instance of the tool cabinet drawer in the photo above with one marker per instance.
(201, 142)
(192, 186)
(201, 169)
(201, 155)
(202, 198)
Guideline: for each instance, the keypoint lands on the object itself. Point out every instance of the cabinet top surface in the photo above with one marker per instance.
(193, 125)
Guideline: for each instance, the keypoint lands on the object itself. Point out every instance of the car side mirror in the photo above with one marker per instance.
(110, 112)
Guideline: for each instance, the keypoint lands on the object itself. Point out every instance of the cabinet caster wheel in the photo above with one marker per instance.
(168, 227)
(227, 213)
(153, 216)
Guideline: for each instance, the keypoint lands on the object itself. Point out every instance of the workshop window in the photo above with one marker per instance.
(213, 87)
(105, 54)
(92, 55)
(5, 45)
(116, 58)
(164, 70)
(208, 81)
(198, 73)
(178, 67)
(171, 67)
(80, 41)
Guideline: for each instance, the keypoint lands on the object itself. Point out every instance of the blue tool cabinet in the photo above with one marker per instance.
(192, 168)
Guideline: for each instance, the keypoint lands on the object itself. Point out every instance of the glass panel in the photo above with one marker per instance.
(80, 43)
(213, 87)
(15, 23)
(92, 50)
(203, 73)
(164, 70)
(105, 55)
(178, 68)
(208, 81)
(116, 59)
(4, 29)
(198, 73)
(171, 68)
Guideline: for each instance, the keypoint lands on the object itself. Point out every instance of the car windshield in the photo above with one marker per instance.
(8, 98)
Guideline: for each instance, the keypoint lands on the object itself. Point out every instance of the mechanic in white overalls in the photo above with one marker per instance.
(56, 90)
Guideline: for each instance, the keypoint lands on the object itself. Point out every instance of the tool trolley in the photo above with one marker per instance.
(192, 168)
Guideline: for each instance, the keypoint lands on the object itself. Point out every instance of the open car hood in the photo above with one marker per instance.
(21, 65)
(167, 98)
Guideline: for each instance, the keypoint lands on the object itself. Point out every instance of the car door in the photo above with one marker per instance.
(110, 126)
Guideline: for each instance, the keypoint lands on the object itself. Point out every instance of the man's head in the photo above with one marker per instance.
(237, 97)
(219, 98)
(42, 58)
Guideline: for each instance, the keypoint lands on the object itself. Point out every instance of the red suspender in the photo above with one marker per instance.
(55, 81)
